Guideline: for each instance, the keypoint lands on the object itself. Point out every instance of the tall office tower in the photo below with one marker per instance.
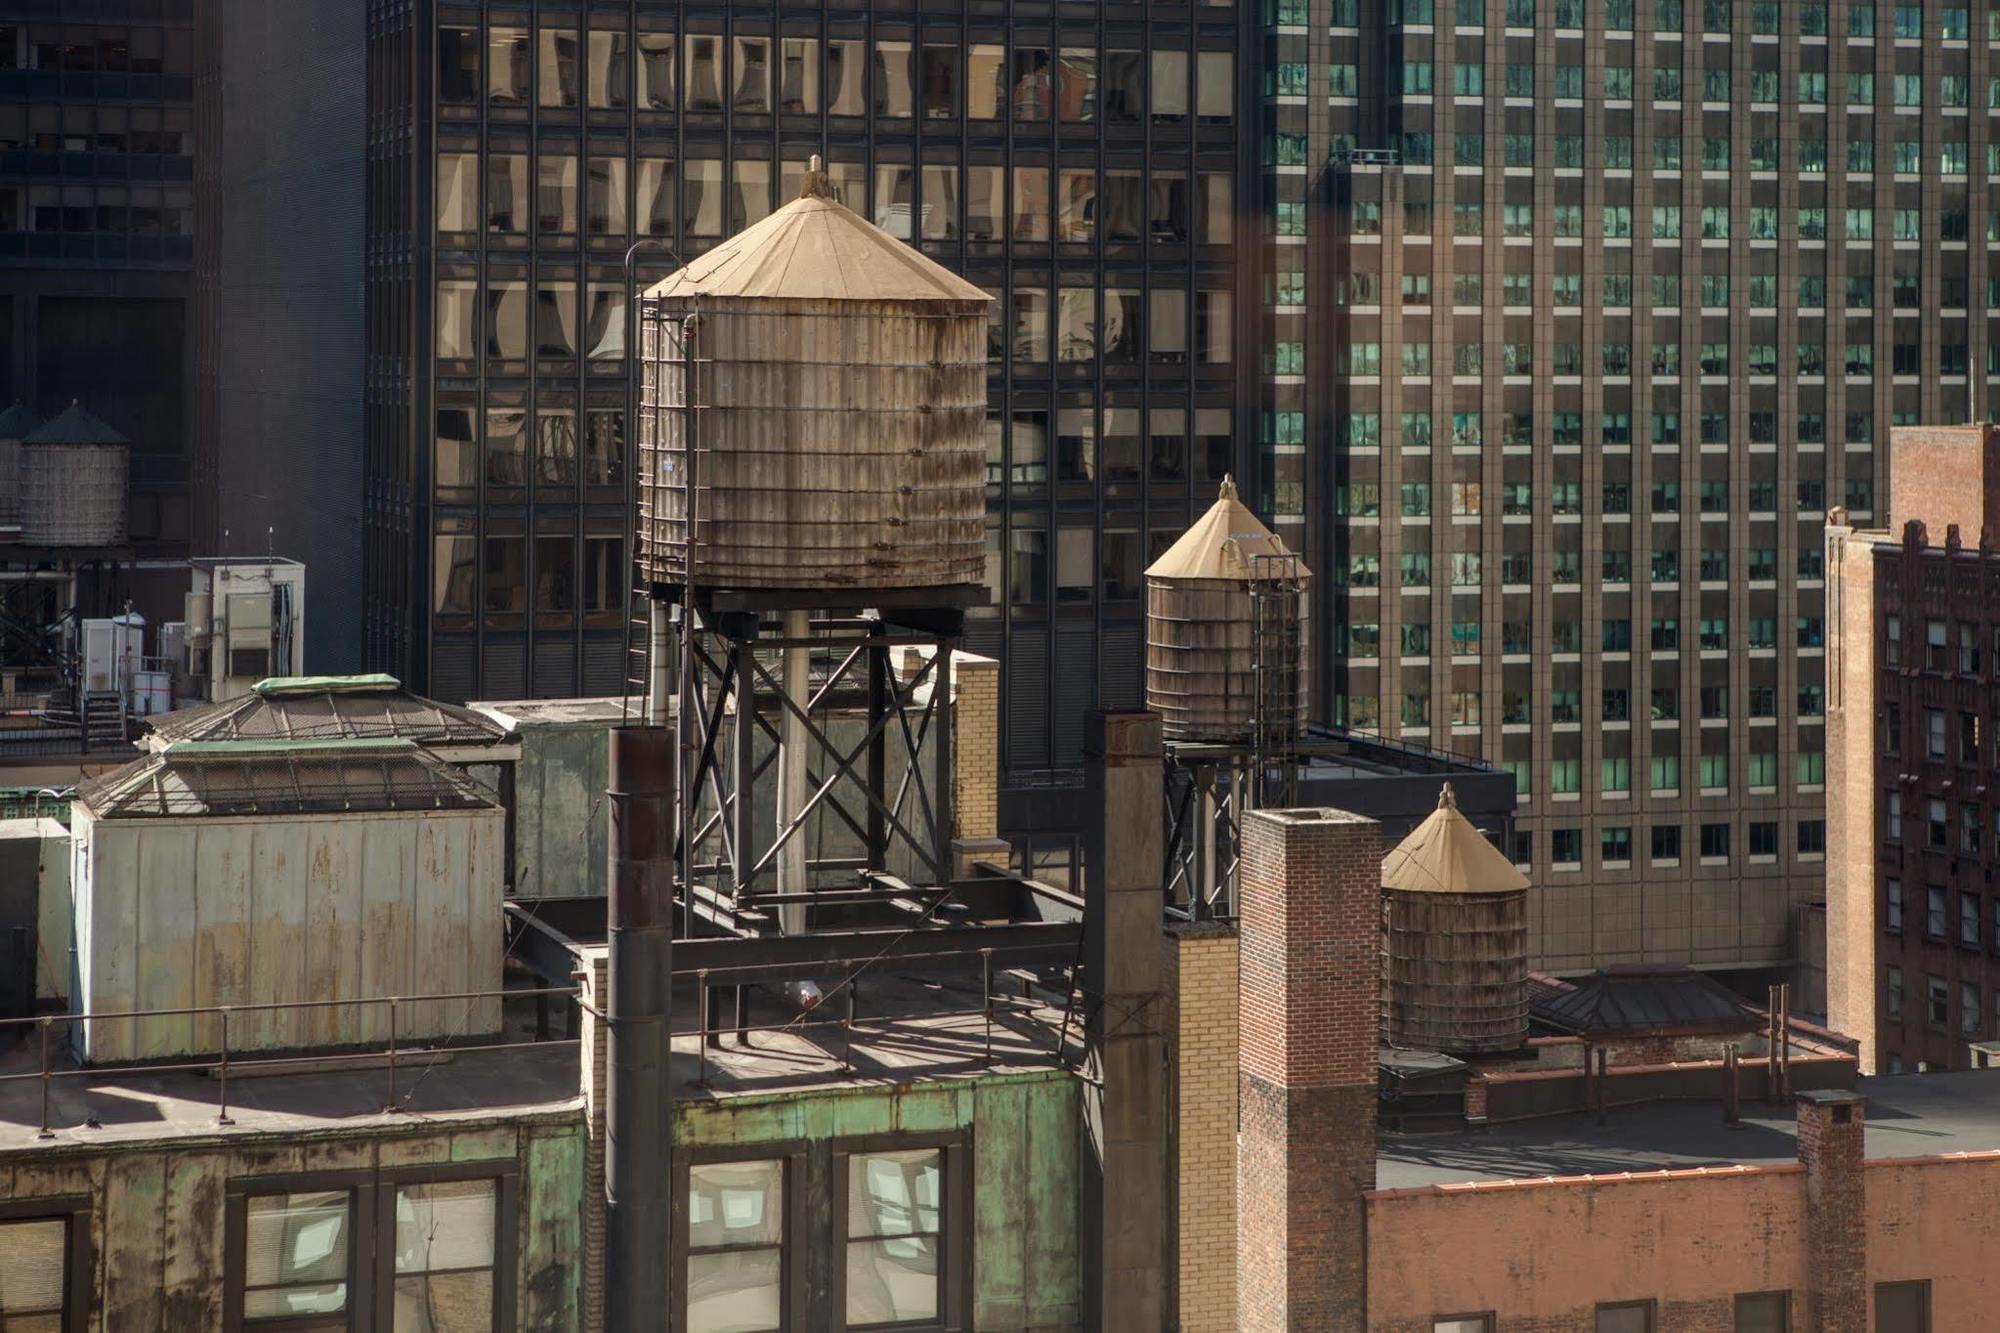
(96, 223)
(1619, 297)
(1085, 163)
(277, 328)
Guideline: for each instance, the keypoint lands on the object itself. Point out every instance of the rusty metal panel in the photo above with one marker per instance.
(188, 913)
(550, 1289)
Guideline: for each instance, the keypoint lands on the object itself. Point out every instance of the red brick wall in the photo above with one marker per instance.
(1309, 921)
(1943, 475)
(1830, 1144)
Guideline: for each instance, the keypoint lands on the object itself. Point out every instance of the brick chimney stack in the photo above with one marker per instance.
(1308, 999)
(1832, 1125)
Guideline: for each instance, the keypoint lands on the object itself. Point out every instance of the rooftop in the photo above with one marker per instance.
(140, 1106)
(1910, 1115)
(909, 1024)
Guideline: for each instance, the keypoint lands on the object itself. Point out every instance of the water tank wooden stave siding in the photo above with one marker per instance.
(1226, 618)
(74, 475)
(840, 411)
(1455, 940)
(1457, 971)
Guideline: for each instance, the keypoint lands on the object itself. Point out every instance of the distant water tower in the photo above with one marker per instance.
(74, 473)
(1455, 922)
(16, 423)
(1226, 632)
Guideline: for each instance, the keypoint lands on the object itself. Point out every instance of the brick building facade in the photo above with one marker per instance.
(1913, 923)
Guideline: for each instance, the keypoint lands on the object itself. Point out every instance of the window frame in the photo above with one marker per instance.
(78, 1258)
(792, 1273)
(954, 1227)
(1650, 1308)
(1920, 1285)
(372, 1216)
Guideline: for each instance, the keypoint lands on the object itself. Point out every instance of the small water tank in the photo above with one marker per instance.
(839, 433)
(16, 424)
(1455, 926)
(1226, 631)
(73, 481)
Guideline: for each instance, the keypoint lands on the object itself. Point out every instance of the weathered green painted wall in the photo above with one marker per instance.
(1025, 1136)
(157, 1211)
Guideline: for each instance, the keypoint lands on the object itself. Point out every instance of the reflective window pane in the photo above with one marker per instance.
(507, 193)
(737, 1208)
(507, 61)
(798, 76)
(295, 1255)
(752, 88)
(735, 1292)
(846, 77)
(656, 71)
(892, 92)
(610, 70)
(556, 77)
(458, 192)
(893, 1198)
(604, 203)
(34, 1260)
(555, 194)
(985, 82)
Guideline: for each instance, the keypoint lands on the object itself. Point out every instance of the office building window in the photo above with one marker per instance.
(1463, 1323)
(736, 1246)
(1902, 1307)
(1763, 1312)
(1937, 1002)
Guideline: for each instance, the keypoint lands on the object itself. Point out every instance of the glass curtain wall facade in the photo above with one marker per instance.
(97, 236)
(1083, 162)
(1622, 297)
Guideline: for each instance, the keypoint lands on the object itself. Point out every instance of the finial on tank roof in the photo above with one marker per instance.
(814, 184)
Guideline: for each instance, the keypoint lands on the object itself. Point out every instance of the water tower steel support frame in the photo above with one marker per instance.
(731, 695)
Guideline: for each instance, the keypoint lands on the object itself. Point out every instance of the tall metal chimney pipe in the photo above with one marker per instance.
(636, 1184)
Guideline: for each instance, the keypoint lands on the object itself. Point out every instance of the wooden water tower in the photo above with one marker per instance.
(812, 507)
(1455, 936)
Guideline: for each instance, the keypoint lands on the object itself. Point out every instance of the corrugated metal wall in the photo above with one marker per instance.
(187, 913)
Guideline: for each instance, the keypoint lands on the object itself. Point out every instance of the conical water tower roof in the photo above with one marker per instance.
(18, 423)
(1446, 854)
(1224, 543)
(815, 249)
(75, 426)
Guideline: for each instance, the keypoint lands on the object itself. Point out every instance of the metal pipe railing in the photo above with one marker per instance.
(227, 1060)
